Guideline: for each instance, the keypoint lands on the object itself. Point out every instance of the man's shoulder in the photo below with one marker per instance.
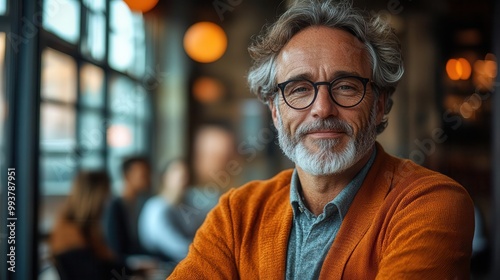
(406, 171)
(407, 178)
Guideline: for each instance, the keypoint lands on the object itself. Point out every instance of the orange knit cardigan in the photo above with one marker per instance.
(406, 222)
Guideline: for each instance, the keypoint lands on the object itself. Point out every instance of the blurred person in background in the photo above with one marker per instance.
(348, 210)
(122, 214)
(214, 156)
(163, 230)
(169, 221)
(77, 241)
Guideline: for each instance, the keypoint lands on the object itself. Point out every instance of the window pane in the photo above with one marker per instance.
(91, 131)
(94, 40)
(141, 136)
(120, 145)
(144, 116)
(122, 96)
(62, 17)
(57, 127)
(57, 172)
(139, 61)
(3, 7)
(128, 98)
(95, 5)
(92, 160)
(121, 43)
(92, 86)
(58, 76)
(127, 50)
(143, 110)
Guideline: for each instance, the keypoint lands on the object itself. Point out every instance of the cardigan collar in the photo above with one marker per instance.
(356, 222)
(361, 213)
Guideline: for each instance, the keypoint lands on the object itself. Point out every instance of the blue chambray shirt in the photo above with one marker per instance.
(311, 237)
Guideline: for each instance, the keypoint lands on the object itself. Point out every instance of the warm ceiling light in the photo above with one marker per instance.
(458, 69)
(207, 90)
(490, 68)
(141, 6)
(466, 69)
(451, 69)
(490, 56)
(205, 42)
(485, 72)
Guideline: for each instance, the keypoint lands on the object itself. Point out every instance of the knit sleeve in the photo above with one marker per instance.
(429, 235)
(211, 255)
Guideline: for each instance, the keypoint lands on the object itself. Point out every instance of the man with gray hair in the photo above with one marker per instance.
(348, 210)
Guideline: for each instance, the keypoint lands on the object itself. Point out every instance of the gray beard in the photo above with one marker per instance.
(325, 161)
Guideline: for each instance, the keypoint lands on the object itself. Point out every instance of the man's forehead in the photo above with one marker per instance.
(324, 33)
(321, 45)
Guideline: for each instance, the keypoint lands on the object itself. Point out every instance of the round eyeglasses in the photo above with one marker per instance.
(346, 91)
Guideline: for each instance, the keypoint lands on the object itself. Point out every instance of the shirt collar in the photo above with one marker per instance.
(341, 202)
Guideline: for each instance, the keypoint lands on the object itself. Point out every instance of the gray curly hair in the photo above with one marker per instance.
(379, 38)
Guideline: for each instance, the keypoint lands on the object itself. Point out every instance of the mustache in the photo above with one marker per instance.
(325, 124)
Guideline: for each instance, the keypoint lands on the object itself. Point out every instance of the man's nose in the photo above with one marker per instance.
(323, 107)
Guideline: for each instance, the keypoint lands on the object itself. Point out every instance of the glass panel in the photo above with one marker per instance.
(139, 66)
(94, 40)
(140, 137)
(122, 96)
(126, 52)
(143, 115)
(141, 101)
(57, 127)
(128, 98)
(121, 44)
(58, 76)
(120, 145)
(95, 5)
(62, 17)
(57, 172)
(3, 7)
(91, 131)
(92, 160)
(92, 86)
(115, 160)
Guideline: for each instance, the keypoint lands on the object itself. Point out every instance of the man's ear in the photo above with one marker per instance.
(381, 102)
(274, 112)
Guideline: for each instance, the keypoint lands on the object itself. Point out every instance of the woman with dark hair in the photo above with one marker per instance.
(76, 242)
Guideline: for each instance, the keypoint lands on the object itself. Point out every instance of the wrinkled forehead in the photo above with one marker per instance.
(321, 50)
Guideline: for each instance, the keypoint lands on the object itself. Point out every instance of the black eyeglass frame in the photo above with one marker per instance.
(364, 81)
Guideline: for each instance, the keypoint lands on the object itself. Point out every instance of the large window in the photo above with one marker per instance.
(94, 109)
(58, 120)
(3, 7)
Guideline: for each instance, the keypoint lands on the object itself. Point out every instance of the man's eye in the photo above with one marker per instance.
(346, 87)
(300, 90)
